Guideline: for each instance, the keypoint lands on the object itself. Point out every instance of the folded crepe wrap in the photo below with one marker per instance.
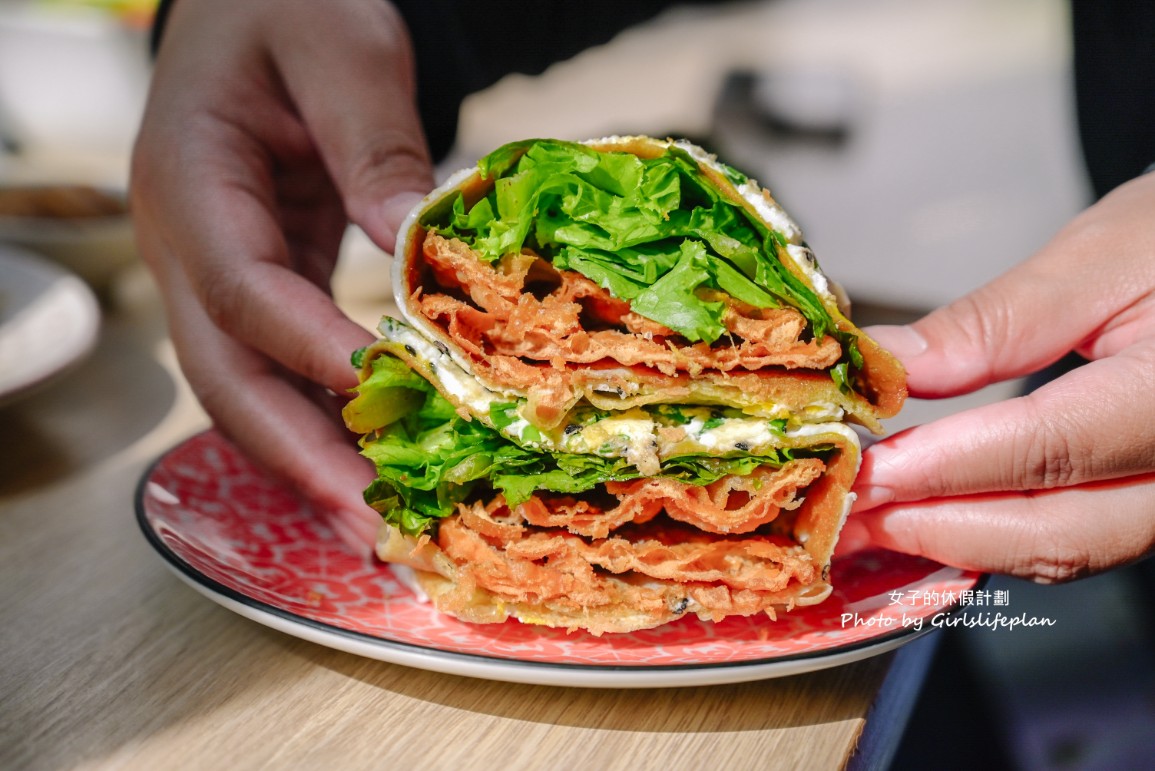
(618, 393)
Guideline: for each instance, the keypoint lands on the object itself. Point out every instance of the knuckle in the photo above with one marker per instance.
(214, 399)
(309, 362)
(1047, 461)
(313, 487)
(1052, 451)
(1059, 568)
(222, 295)
(1053, 554)
(980, 321)
(388, 158)
(388, 155)
(212, 389)
(1059, 562)
(977, 327)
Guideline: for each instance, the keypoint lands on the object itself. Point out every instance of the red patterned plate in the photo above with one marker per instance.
(235, 535)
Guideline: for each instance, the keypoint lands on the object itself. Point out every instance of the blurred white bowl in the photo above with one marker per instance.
(85, 229)
(49, 322)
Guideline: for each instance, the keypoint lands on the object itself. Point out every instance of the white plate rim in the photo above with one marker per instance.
(542, 673)
(68, 292)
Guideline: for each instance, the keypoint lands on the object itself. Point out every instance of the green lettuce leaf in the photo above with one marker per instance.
(675, 297)
(654, 232)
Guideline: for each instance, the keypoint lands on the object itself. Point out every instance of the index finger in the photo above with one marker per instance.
(271, 421)
(1089, 425)
(1051, 536)
(359, 101)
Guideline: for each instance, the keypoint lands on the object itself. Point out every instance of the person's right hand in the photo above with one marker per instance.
(270, 125)
(1057, 484)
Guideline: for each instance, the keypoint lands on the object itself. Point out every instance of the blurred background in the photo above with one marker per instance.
(924, 146)
(73, 75)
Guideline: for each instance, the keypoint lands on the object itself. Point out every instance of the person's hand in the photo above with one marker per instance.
(269, 126)
(1057, 484)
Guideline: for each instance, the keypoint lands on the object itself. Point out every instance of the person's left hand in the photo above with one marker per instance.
(270, 125)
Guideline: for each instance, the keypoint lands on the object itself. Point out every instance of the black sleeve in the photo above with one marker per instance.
(159, 19)
(1114, 44)
(463, 46)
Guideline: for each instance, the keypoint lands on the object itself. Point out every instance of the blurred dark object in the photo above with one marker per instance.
(1114, 43)
(1061, 367)
(954, 724)
(9, 145)
(815, 106)
(1073, 695)
(466, 59)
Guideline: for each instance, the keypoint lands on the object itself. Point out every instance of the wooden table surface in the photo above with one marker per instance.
(107, 660)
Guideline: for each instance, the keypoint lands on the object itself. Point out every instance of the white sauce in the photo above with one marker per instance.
(804, 258)
(773, 214)
(453, 378)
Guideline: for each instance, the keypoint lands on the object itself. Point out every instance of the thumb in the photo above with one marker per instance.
(1022, 321)
(358, 98)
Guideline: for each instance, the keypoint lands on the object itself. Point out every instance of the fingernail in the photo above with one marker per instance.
(385, 227)
(396, 207)
(903, 341)
(870, 496)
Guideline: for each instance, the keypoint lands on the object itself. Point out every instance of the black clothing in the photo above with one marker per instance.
(1115, 88)
(463, 46)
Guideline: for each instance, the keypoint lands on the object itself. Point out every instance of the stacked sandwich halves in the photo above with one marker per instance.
(618, 393)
